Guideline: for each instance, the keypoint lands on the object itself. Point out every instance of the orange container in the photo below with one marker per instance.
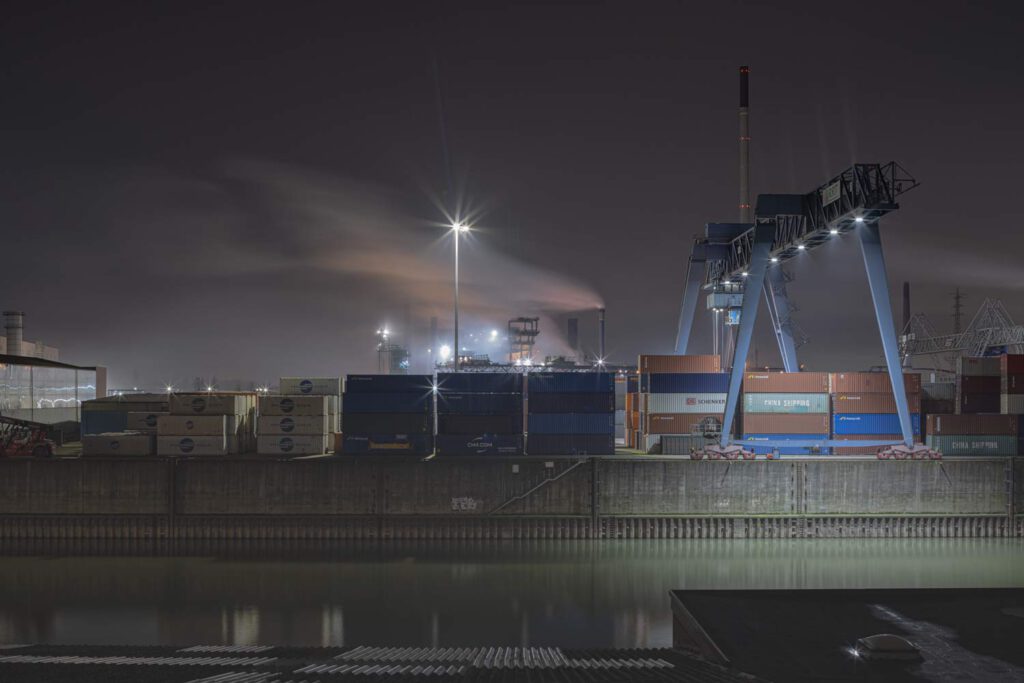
(679, 364)
(786, 423)
(872, 383)
(785, 382)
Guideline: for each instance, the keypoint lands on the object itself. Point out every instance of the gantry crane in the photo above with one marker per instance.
(991, 330)
(734, 259)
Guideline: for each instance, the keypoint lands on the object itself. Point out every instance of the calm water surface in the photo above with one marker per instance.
(571, 594)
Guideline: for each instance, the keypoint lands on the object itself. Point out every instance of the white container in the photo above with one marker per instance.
(142, 422)
(118, 443)
(311, 386)
(1012, 404)
(197, 425)
(208, 404)
(293, 424)
(685, 403)
(301, 444)
(196, 445)
(296, 405)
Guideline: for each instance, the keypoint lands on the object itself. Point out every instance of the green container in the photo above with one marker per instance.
(785, 403)
(973, 445)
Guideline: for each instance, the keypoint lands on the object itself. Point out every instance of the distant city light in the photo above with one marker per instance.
(445, 352)
(169, 389)
(494, 335)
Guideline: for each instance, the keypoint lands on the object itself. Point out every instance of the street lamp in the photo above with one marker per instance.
(458, 229)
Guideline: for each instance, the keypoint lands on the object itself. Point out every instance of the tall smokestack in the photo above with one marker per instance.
(574, 335)
(600, 340)
(744, 146)
(14, 325)
(906, 305)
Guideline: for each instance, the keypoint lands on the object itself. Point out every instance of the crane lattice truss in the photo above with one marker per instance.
(990, 327)
(785, 225)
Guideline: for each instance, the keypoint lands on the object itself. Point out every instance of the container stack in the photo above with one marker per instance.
(317, 386)
(938, 398)
(787, 406)
(210, 423)
(864, 409)
(479, 414)
(978, 385)
(388, 415)
(680, 396)
(570, 413)
(113, 414)
(974, 434)
(1011, 384)
(126, 443)
(632, 411)
(294, 425)
(620, 410)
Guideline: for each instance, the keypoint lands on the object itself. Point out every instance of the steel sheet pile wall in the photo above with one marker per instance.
(978, 385)
(479, 414)
(681, 398)
(209, 423)
(294, 425)
(864, 409)
(982, 435)
(570, 413)
(121, 425)
(388, 414)
(785, 405)
(1011, 384)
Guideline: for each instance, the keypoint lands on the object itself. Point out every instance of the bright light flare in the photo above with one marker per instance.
(445, 352)
(775, 259)
(834, 231)
(460, 227)
(858, 219)
(801, 247)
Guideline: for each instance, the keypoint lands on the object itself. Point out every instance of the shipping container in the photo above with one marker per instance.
(292, 444)
(655, 363)
(938, 391)
(571, 423)
(480, 382)
(792, 423)
(684, 403)
(785, 382)
(570, 382)
(479, 444)
(785, 403)
(386, 423)
(974, 425)
(872, 403)
(389, 384)
(311, 386)
(480, 404)
(1012, 384)
(980, 403)
(408, 402)
(980, 384)
(295, 405)
(457, 423)
(785, 450)
(973, 445)
(104, 422)
(933, 407)
(196, 445)
(620, 417)
(128, 403)
(682, 444)
(632, 384)
(1011, 364)
(388, 444)
(685, 383)
(133, 444)
(142, 422)
(270, 425)
(1012, 404)
(571, 403)
(211, 404)
(679, 423)
(872, 383)
(867, 423)
(987, 365)
(570, 444)
(196, 425)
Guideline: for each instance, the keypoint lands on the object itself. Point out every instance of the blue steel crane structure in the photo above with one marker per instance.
(751, 255)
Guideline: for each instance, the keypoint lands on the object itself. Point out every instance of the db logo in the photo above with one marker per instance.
(151, 420)
(287, 424)
(305, 386)
(198, 405)
(287, 405)
(691, 401)
(286, 444)
(186, 445)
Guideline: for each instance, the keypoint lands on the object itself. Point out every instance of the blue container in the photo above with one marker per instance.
(480, 382)
(866, 423)
(388, 444)
(103, 421)
(786, 450)
(570, 382)
(571, 423)
(632, 384)
(571, 403)
(570, 444)
(479, 404)
(479, 444)
(388, 384)
(387, 403)
(459, 423)
(685, 383)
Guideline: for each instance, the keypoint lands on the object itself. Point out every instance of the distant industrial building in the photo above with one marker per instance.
(13, 344)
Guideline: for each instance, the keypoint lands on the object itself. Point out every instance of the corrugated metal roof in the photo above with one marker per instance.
(39, 362)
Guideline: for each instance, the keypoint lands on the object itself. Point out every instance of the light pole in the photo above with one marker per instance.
(457, 228)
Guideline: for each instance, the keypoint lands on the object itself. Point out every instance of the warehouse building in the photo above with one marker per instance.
(47, 391)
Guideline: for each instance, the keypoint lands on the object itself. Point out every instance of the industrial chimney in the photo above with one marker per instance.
(14, 325)
(600, 340)
(744, 147)
(574, 335)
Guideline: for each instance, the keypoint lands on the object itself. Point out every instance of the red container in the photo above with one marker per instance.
(659, 364)
(979, 403)
(988, 365)
(872, 383)
(1012, 384)
(872, 403)
(979, 384)
(785, 383)
(786, 423)
(1012, 364)
(972, 425)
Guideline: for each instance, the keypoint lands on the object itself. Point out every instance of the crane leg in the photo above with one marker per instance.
(694, 280)
(777, 300)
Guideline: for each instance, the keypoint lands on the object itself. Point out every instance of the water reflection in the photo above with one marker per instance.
(573, 594)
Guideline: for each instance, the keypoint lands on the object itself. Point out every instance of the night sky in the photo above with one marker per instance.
(249, 190)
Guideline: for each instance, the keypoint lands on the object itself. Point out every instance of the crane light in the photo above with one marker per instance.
(801, 247)
(834, 231)
(858, 219)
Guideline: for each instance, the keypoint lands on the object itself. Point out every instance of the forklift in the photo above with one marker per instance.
(24, 438)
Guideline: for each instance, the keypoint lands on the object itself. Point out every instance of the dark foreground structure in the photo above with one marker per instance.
(509, 498)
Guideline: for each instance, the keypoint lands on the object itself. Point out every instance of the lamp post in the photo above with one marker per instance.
(457, 228)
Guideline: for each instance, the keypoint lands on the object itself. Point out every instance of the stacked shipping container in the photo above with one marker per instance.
(679, 396)
(211, 423)
(388, 414)
(978, 385)
(864, 409)
(570, 413)
(294, 425)
(974, 434)
(1011, 384)
(632, 411)
(785, 405)
(479, 414)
